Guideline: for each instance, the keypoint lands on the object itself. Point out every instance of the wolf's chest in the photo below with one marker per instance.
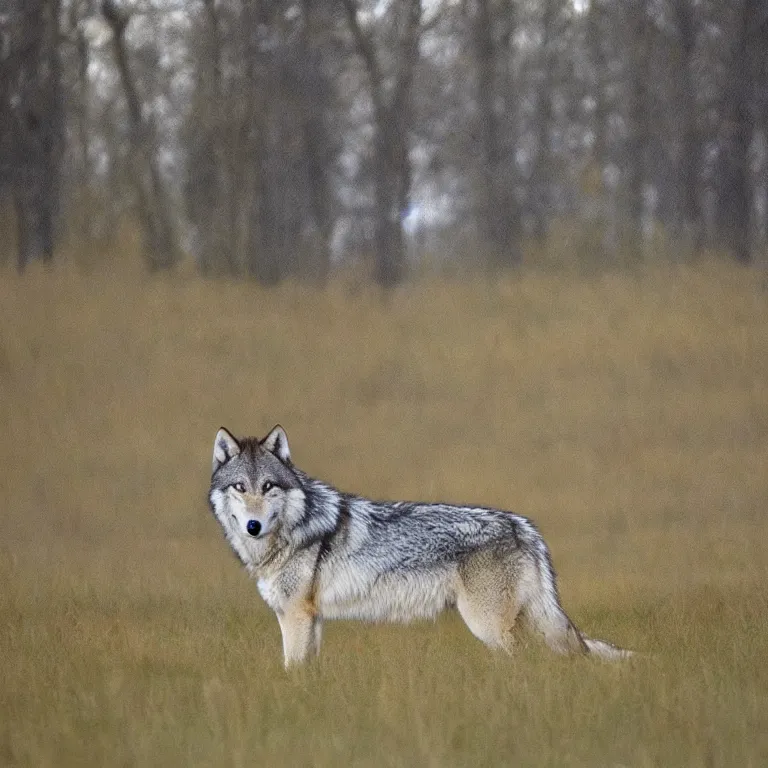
(268, 589)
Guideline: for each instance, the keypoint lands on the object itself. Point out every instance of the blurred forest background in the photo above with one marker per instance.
(273, 138)
(308, 154)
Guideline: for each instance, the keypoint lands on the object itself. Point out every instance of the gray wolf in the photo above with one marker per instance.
(317, 553)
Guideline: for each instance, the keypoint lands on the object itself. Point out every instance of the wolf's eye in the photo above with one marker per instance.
(239, 487)
(267, 487)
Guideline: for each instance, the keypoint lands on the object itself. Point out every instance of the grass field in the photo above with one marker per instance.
(627, 414)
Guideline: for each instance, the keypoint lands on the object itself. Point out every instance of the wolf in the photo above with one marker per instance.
(318, 553)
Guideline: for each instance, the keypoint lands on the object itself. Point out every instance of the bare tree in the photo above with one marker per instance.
(499, 213)
(274, 121)
(206, 182)
(257, 182)
(691, 155)
(543, 168)
(638, 28)
(390, 96)
(316, 98)
(31, 123)
(161, 250)
(749, 52)
(603, 162)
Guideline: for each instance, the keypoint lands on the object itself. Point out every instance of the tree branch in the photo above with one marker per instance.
(364, 47)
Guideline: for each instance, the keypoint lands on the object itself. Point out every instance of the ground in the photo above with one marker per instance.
(625, 413)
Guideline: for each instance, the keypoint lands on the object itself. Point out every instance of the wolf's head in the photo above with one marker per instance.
(254, 491)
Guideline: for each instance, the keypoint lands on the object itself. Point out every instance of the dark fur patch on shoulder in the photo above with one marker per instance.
(339, 531)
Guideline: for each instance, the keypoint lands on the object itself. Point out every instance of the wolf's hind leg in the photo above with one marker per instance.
(480, 623)
(300, 634)
(488, 609)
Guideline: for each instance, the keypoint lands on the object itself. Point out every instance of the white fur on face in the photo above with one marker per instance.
(232, 529)
(233, 510)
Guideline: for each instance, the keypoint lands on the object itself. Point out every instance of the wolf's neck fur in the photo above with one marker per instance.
(321, 509)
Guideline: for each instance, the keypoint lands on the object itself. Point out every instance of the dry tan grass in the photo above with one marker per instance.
(627, 414)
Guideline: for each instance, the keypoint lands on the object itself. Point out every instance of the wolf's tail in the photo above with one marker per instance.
(545, 616)
(606, 650)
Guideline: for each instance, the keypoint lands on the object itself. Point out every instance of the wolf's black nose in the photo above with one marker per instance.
(253, 527)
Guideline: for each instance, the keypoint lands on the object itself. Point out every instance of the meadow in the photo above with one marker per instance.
(625, 412)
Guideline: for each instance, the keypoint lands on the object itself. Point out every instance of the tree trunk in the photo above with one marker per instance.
(160, 246)
(543, 171)
(262, 215)
(747, 53)
(392, 123)
(33, 117)
(206, 192)
(692, 155)
(499, 216)
(639, 105)
(596, 183)
(316, 142)
(391, 199)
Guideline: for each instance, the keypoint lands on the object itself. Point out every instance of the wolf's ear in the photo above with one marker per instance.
(277, 442)
(225, 447)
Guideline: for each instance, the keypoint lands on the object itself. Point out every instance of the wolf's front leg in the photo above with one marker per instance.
(318, 635)
(301, 634)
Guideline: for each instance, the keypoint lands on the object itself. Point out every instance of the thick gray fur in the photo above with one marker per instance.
(317, 553)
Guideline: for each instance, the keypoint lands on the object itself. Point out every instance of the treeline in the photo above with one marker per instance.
(279, 137)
